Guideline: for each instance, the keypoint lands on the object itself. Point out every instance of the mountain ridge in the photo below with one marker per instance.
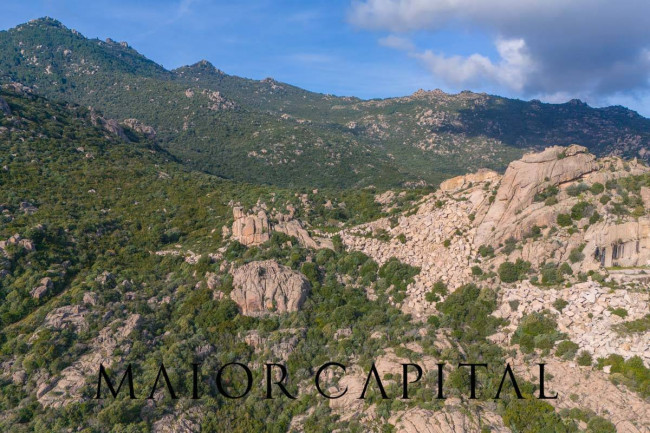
(266, 131)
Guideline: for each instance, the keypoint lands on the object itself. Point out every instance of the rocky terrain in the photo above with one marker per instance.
(264, 131)
(114, 252)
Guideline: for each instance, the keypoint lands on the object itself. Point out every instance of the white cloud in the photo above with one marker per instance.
(590, 48)
(397, 42)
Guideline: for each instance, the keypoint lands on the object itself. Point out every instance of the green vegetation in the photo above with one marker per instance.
(584, 359)
(620, 312)
(546, 194)
(560, 304)
(486, 251)
(564, 220)
(632, 373)
(438, 290)
(577, 189)
(272, 132)
(537, 331)
(553, 273)
(566, 349)
(510, 272)
(576, 255)
(638, 325)
(597, 188)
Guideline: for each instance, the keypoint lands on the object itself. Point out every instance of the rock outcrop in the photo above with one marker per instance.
(268, 288)
(526, 177)
(69, 317)
(66, 388)
(460, 182)
(43, 289)
(136, 125)
(294, 228)
(250, 229)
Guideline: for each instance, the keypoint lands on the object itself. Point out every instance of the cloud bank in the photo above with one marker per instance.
(595, 49)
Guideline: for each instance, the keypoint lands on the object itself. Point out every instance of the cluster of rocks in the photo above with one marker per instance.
(16, 240)
(587, 317)
(136, 125)
(423, 244)
(112, 126)
(255, 228)
(43, 289)
(279, 347)
(219, 102)
(66, 387)
(68, 317)
(266, 287)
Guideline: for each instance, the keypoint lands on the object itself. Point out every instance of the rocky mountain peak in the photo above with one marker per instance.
(527, 177)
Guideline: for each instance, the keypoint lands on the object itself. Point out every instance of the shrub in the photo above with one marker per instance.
(439, 289)
(599, 424)
(310, 270)
(564, 220)
(402, 238)
(508, 272)
(397, 273)
(577, 189)
(638, 325)
(433, 321)
(597, 188)
(581, 210)
(576, 255)
(605, 199)
(486, 251)
(633, 373)
(551, 201)
(546, 193)
(559, 304)
(477, 271)
(638, 211)
(446, 243)
(620, 312)
(510, 246)
(584, 358)
(594, 218)
(566, 349)
(565, 269)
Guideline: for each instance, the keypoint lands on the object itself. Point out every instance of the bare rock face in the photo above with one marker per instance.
(140, 127)
(68, 317)
(250, 229)
(525, 178)
(446, 421)
(460, 182)
(294, 228)
(110, 125)
(66, 387)
(4, 107)
(266, 287)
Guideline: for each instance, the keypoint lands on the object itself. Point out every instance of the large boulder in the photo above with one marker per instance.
(526, 177)
(250, 229)
(268, 288)
(43, 289)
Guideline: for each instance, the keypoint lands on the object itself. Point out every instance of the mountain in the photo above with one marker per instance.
(112, 251)
(274, 133)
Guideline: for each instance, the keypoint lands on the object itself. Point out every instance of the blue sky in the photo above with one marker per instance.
(594, 50)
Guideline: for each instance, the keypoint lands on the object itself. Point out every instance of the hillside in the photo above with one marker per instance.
(274, 133)
(114, 252)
